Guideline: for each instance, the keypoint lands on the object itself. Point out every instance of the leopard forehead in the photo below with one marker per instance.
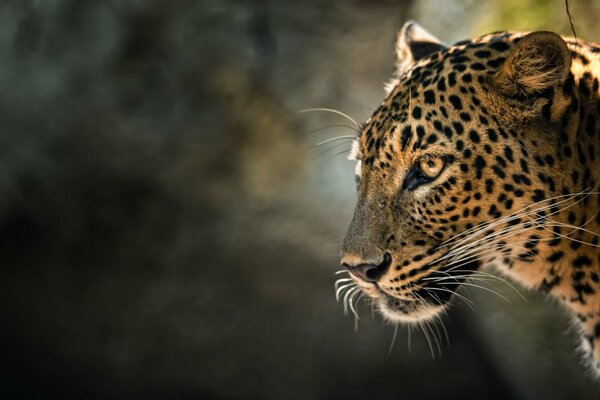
(435, 102)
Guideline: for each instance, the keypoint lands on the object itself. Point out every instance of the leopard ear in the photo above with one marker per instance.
(413, 44)
(540, 61)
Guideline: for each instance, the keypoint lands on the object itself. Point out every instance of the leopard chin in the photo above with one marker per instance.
(397, 310)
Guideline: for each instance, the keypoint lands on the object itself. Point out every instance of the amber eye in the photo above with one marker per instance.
(431, 167)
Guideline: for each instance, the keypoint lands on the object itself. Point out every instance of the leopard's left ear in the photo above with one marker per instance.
(414, 43)
(540, 61)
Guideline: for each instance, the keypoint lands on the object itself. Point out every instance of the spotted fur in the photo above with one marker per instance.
(515, 118)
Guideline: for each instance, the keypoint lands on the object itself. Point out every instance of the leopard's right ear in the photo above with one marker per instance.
(414, 43)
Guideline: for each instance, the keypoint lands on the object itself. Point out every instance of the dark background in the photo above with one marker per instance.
(169, 228)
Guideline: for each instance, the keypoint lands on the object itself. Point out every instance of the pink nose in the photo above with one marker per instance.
(370, 272)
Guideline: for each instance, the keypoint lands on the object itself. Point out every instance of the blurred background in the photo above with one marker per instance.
(169, 227)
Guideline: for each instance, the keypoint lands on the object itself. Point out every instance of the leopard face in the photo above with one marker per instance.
(467, 163)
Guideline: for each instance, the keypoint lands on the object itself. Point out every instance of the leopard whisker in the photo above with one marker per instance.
(487, 289)
(409, 329)
(344, 137)
(346, 297)
(516, 227)
(340, 281)
(333, 126)
(492, 276)
(331, 148)
(428, 340)
(441, 322)
(331, 110)
(340, 289)
(469, 233)
(428, 326)
(393, 339)
(356, 295)
(474, 255)
(460, 296)
(437, 334)
(570, 238)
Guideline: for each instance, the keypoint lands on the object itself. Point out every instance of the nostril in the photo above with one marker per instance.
(370, 272)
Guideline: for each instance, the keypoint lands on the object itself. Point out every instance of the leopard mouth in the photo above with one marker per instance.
(434, 294)
(404, 310)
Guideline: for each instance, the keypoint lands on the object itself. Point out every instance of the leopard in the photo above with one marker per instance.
(481, 159)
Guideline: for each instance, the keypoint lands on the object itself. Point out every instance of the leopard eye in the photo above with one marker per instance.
(431, 167)
(424, 171)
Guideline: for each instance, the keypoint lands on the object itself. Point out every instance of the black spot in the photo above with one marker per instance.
(581, 261)
(590, 125)
(443, 111)
(416, 112)
(538, 195)
(429, 96)
(489, 185)
(482, 54)
(547, 286)
(457, 59)
(520, 178)
(498, 171)
(597, 330)
(575, 176)
(578, 275)
(508, 153)
(538, 160)
(441, 85)
(479, 162)
(451, 79)
(557, 255)
(499, 46)
(465, 116)
(458, 127)
(418, 258)
(492, 135)
(495, 62)
(456, 103)
(448, 132)
(524, 166)
(459, 67)
(474, 136)
(478, 66)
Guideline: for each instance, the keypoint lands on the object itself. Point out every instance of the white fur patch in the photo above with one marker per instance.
(353, 151)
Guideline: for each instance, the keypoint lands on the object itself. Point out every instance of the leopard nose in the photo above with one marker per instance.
(370, 272)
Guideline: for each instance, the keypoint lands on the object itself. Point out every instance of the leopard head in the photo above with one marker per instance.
(447, 160)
